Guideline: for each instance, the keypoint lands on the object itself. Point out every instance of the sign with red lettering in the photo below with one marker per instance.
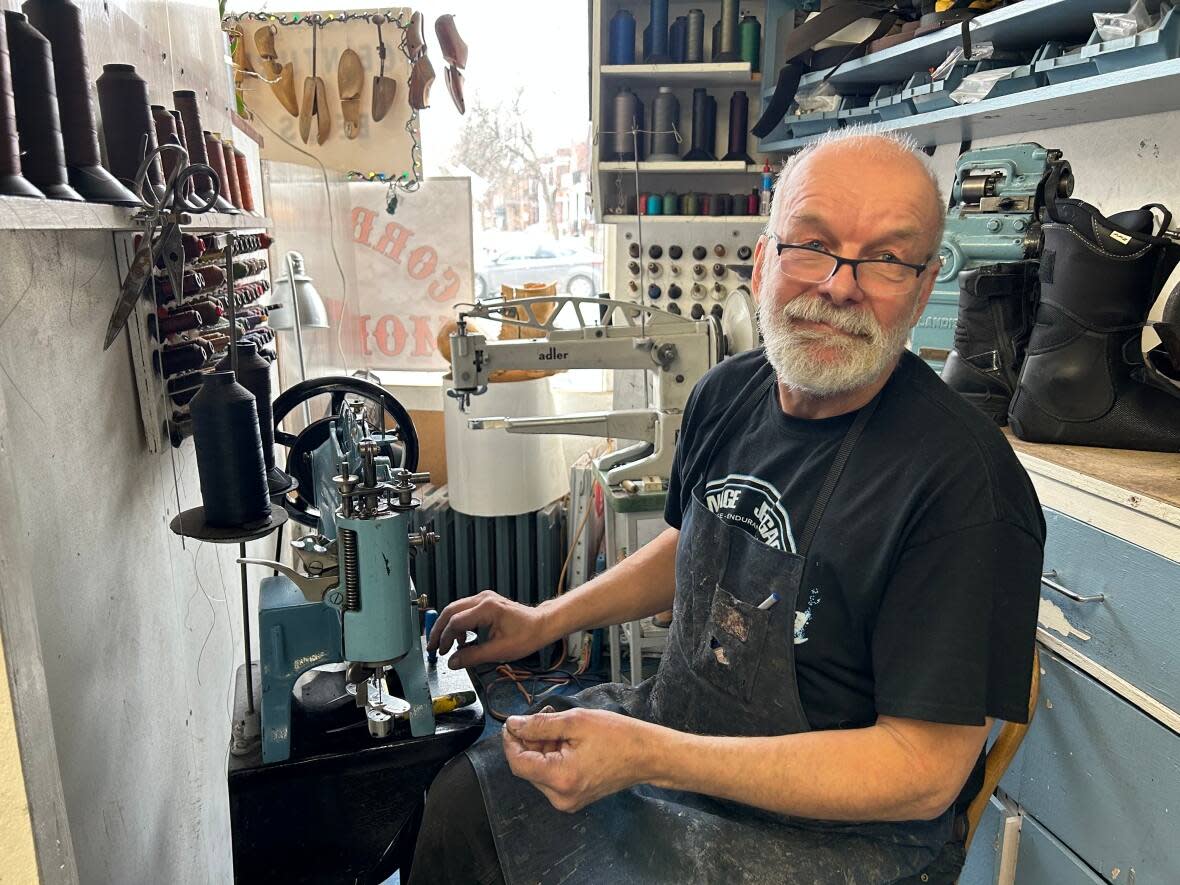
(412, 268)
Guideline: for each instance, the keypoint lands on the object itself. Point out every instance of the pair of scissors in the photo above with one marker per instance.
(166, 211)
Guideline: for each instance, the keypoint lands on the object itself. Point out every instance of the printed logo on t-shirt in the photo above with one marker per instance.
(754, 505)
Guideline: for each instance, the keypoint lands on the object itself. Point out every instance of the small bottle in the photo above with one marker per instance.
(764, 193)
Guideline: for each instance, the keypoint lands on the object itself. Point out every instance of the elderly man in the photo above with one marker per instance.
(853, 557)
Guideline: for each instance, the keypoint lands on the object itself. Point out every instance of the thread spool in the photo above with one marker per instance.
(678, 39)
(665, 114)
(229, 453)
(622, 38)
(730, 48)
(694, 47)
(254, 375)
(182, 358)
(37, 122)
(127, 126)
(671, 203)
(689, 204)
(655, 204)
(217, 162)
(231, 171)
(738, 204)
(752, 202)
(624, 119)
(657, 45)
(750, 39)
(244, 184)
(165, 125)
(739, 111)
(194, 138)
(705, 202)
(181, 321)
(60, 22)
(720, 205)
(702, 131)
(12, 182)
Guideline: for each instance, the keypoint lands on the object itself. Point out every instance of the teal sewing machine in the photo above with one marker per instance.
(996, 200)
(354, 602)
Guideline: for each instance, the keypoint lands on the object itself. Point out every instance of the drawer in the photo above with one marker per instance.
(1132, 631)
(993, 850)
(1102, 776)
(1044, 860)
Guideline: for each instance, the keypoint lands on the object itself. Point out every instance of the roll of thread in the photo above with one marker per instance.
(678, 39)
(210, 311)
(671, 203)
(213, 275)
(230, 462)
(706, 204)
(643, 202)
(624, 119)
(739, 111)
(694, 47)
(752, 202)
(730, 49)
(658, 42)
(751, 41)
(689, 204)
(665, 114)
(702, 130)
(244, 184)
(37, 122)
(630, 206)
(737, 204)
(655, 204)
(181, 321)
(622, 38)
(60, 21)
(182, 358)
(254, 375)
(720, 205)
(127, 125)
(166, 133)
(194, 138)
(12, 181)
(217, 162)
(231, 171)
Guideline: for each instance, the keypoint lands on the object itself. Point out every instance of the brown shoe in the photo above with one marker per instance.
(454, 50)
(421, 77)
(415, 39)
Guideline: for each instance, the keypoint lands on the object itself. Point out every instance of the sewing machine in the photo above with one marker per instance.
(675, 350)
(355, 602)
(996, 201)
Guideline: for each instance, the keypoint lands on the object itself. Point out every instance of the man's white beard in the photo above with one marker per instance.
(859, 358)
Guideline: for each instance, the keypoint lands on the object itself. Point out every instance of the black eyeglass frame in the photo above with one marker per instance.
(854, 263)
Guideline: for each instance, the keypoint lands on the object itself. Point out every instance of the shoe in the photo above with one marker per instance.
(454, 50)
(421, 77)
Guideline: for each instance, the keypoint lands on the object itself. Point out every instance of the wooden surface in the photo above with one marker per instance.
(1151, 474)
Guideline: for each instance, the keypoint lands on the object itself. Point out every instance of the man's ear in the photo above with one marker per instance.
(756, 275)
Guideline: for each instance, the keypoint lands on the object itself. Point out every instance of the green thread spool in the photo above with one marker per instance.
(671, 203)
(751, 40)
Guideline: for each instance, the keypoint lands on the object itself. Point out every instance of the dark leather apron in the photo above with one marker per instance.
(729, 669)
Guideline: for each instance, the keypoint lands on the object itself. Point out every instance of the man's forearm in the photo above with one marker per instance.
(874, 773)
(643, 584)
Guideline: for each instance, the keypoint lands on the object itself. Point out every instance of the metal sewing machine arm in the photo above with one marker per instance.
(675, 349)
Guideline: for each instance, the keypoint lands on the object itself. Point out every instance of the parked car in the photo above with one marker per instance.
(574, 268)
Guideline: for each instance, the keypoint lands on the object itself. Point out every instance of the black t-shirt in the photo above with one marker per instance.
(920, 592)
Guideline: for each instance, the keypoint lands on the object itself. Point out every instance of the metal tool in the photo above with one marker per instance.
(162, 218)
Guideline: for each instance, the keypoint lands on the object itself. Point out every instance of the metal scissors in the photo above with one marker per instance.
(166, 211)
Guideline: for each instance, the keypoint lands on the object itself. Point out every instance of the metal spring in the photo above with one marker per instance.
(346, 541)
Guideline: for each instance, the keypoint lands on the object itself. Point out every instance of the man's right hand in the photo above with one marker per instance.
(513, 630)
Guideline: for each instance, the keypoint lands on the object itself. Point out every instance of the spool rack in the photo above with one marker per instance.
(165, 422)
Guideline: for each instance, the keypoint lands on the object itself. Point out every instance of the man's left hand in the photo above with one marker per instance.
(577, 756)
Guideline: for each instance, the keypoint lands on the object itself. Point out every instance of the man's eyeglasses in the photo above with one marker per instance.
(809, 264)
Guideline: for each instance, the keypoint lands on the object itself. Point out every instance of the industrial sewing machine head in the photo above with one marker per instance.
(355, 603)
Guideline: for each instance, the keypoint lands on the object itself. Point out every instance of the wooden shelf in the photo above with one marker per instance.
(1147, 89)
(23, 214)
(734, 73)
(683, 166)
(1023, 25)
(691, 219)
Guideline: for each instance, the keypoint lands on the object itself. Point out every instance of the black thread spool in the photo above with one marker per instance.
(726, 34)
(60, 21)
(656, 44)
(694, 51)
(678, 39)
(665, 112)
(624, 119)
(165, 125)
(739, 112)
(229, 453)
(702, 126)
(194, 140)
(254, 375)
(37, 121)
(127, 126)
(12, 182)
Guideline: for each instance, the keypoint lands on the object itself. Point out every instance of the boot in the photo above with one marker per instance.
(996, 304)
(1084, 381)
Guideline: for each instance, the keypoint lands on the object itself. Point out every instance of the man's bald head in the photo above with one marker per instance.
(865, 152)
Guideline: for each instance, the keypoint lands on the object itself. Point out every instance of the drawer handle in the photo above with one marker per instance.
(1047, 580)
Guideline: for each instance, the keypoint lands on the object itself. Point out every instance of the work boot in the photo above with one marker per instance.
(996, 304)
(1084, 380)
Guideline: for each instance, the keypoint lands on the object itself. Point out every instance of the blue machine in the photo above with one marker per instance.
(356, 603)
(996, 200)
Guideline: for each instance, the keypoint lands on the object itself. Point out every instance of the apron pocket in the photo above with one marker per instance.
(731, 644)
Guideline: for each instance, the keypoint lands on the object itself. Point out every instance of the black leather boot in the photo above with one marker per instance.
(1084, 380)
(996, 304)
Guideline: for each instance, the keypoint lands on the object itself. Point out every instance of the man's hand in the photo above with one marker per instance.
(514, 630)
(575, 757)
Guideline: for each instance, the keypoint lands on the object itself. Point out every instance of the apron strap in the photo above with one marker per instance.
(834, 472)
